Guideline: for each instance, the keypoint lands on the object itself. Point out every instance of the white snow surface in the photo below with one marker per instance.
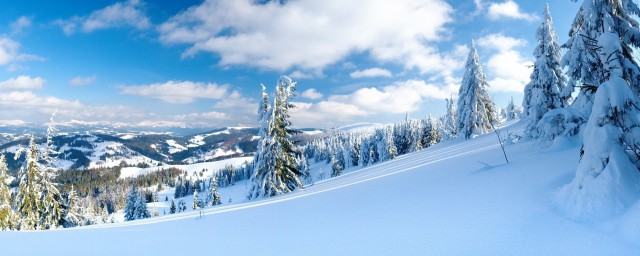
(211, 167)
(455, 198)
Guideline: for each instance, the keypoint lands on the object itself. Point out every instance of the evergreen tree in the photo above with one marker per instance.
(182, 206)
(512, 112)
(276, 171)
(196, 202)
(130, 208)
(28, 202)
(50, 195)
(141, 208)
(73, 216)
(449, 127)
(607, 181)
(476, 110)
(8, 218)
(172, 210)
(547, 81)
(214, 197)
(583, 63)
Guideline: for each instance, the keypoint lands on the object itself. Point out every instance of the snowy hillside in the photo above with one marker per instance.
(455, 198)
(96, 150)
(190, 169)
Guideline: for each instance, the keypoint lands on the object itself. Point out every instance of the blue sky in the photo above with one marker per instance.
(200, 63)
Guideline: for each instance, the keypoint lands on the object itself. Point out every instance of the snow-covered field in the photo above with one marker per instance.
(456, 198)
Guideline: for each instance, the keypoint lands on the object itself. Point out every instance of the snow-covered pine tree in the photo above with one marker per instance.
(73, 216)
(607, 181)
(542, 93)
(8, 218)
(196, 201)
(512, 112)
(213, 193)
(141, 207)
(476, 111)
(28, 202)
(172, 209)
(364, 158)
(276, 171)
(130, 207)
(51, 198)
(449, 121)
(581, 61)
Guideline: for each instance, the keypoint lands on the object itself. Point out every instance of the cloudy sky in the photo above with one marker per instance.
(200, 63)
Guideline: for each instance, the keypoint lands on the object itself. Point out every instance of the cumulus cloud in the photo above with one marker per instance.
(178, 92)
(311, 94)
(9, 54)
(371, 72)
(281, 36)
(19, 25)
(509, 10)
(82, 81)
(508, 70)
(121, 14)
(23, 83)
(400, 97)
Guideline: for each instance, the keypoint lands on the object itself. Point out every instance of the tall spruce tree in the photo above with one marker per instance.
(547, 81)
(582, 63)
(276, 168)
(8, 218)
(476, 110)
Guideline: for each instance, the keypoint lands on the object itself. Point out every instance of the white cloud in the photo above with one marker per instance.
(510, 10)
(397, 98)
(311, 94)
(301, 75)
(121, 14)
(22, 83)
(371, 72)
(18, 26)
(8, 50)
(295, 34)
(82, 81)
(508, 70)
(178, 92)
(9, 54)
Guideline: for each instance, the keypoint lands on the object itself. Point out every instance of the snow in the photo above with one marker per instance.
(455, 198)
(128, 172)
(175, 147)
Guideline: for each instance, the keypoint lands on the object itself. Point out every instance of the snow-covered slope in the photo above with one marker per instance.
(211, 167)
(456, 198)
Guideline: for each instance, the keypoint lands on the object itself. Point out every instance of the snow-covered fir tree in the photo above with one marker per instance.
(136, 207)
(511, 111)
(476, 110)
(276, 170)
(8, 218)
(542, 93)
(607, 180)
(449, 128)
(28, 201)
(53, 211)
(581, 61)
(213, 198)
(196, 201)
(173, 208)
(73, 216)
